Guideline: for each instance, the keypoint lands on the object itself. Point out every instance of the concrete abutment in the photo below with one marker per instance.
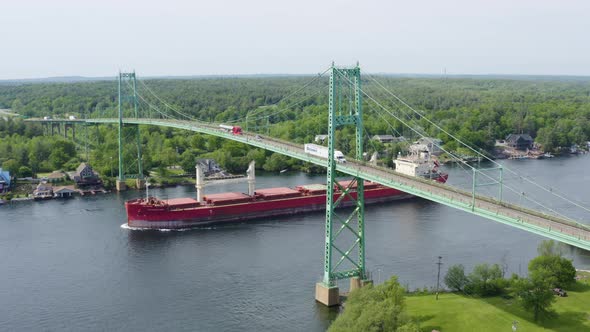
(326, 295)
(121, 186)
(140, 183)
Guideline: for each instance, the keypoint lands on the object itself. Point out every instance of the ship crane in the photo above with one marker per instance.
(251, 178)
(200, 180)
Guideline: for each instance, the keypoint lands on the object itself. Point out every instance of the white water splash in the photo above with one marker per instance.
(126, 226)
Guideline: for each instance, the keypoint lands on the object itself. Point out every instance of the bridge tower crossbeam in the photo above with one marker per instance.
(344, 252)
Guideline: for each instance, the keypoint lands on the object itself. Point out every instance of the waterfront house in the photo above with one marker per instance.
(388, 138)
(209, 166)
(64, 191)
(84, 176)
(56, 176)
(432, 145)
(520, 141)
(4, 181)
(416, 148)
(383, 138)
(43, 191)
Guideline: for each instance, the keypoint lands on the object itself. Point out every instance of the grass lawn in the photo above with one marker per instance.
(43, 174)
(175, 171)
(453, 312)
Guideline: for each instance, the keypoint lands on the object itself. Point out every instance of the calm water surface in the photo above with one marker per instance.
(68, 265)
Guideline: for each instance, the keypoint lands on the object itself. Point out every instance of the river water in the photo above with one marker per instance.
(69, 265)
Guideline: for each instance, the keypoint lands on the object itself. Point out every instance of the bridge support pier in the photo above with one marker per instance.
(140, 183)
(326, 295)
(356, 283)
(121, 186)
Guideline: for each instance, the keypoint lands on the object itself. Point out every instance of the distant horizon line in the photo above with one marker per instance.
(74, 78)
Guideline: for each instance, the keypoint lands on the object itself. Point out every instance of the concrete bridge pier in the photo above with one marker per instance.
(140, 183)
(53, 126)
(121, 186)
(330, 296)
(327, 295)
(356, 282)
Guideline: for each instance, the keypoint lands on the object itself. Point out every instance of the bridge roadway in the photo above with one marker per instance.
(560, 229)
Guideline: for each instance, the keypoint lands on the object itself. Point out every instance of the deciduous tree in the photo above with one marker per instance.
(535, 293)
(455, 278)
(375, 308)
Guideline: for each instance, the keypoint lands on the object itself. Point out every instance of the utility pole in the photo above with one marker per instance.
(438, 276)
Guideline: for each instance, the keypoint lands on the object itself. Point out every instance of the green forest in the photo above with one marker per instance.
(477, 110)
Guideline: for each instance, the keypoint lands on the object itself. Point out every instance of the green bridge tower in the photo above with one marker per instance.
(128, 106)
(344, 252)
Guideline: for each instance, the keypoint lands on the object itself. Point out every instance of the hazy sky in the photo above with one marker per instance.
(175, 37)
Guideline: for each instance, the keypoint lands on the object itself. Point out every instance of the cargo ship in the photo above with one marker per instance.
(176, 213)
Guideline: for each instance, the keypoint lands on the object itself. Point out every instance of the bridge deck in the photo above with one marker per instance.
(553, 227)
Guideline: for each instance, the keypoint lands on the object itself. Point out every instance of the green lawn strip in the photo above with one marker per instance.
(453, 312)
(458, 313)
(43, 175)
(175, 171)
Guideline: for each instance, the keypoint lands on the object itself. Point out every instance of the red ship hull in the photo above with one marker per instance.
(186, 213)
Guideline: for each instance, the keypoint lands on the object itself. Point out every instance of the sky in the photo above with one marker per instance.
(42, 38)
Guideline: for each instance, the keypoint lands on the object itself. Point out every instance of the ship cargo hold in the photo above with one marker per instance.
(153, 213)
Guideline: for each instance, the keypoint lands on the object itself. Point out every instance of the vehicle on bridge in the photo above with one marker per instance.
(236, 130)
(322, 151)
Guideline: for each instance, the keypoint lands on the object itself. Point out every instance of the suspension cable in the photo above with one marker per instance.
(474, 169)
(281, 110)
(549, 190)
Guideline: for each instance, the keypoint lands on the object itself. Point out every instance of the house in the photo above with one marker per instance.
(209, 166)
(388, 138)
(416, 148)
(320, 138)
(520, 141)
(56, 176)
(43, 191)
(84, 175)
(383, 138)
(4, 181)
(64, 191)
(432, 145)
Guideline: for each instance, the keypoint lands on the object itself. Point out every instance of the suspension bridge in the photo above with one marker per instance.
(344, 254)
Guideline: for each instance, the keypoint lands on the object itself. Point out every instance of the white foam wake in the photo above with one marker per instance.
(126, 226)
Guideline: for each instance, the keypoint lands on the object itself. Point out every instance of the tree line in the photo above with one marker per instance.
(556, 112)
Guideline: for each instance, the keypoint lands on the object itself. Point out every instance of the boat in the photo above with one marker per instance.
(177, 213)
